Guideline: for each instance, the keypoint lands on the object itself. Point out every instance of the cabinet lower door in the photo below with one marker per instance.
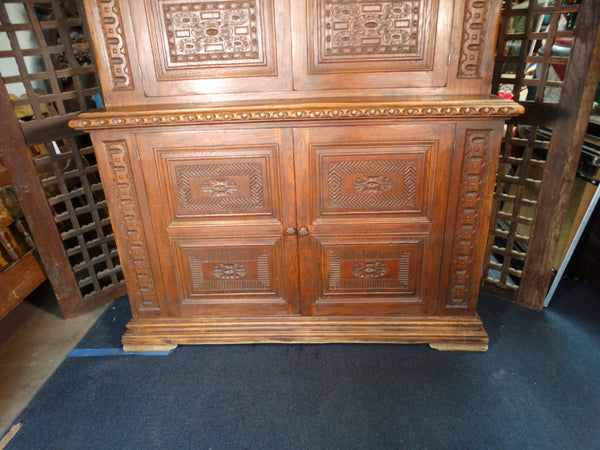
(220, 202)
(371, 214)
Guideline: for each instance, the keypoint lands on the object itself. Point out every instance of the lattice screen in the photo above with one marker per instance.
(532, 55)
(47, 66)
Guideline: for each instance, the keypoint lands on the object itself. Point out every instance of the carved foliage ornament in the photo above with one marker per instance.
(370, 269)
(220, 187)
(372, 184)
(229, 271)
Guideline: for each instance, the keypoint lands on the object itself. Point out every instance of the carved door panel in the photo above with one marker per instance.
(220, 204)
(371, 212)
(346, 44)
(212, 47)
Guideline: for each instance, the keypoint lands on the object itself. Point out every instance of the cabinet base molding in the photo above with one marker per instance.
(442, 333)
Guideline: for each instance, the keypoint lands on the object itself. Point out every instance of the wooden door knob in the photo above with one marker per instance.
(291, 231)
(303, 231)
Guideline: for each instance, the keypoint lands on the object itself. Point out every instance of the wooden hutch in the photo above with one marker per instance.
(298, 170)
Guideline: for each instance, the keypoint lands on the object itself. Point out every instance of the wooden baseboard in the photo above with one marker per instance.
(444, 333)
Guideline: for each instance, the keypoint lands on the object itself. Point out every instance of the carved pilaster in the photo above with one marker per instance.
(474, 32)
(116, 48)
(468, 218)
(130, 224)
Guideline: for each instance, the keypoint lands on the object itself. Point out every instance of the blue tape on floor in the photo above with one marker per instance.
(87, 352)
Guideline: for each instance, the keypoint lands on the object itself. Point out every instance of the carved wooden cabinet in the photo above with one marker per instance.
(298, 171)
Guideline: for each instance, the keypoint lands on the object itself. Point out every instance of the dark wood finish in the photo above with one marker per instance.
(339, 198)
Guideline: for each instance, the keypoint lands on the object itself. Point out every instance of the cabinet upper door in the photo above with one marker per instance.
(358, 44)
(177, 50)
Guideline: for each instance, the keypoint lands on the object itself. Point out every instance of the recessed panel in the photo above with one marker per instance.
(372, 180)
(376, 275)
(376, 269)
(215, 33)
(222, 185)
(231, 273)
(371, 31)
(212, 47)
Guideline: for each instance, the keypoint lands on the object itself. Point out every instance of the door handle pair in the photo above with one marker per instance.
(302, 231)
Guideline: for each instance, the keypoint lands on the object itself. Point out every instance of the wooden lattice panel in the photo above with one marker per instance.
(70, 178)
(48, 69)
(531, 62)
(48, 56)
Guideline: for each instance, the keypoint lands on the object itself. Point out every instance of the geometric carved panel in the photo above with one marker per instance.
(368, 31)
(373, 183)
(233, 271)
(360, 268)
(219, 33)
(220, 186)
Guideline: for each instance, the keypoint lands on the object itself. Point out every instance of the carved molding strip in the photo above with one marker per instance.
(133, 232)
(114, 41)
(474, 31)
(291, 113)
(468, 218)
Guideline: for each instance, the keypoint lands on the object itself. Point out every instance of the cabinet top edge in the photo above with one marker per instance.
(480, 107)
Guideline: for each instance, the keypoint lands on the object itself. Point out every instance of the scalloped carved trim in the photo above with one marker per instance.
(110, 18)
(288, 114)
(132, 230)
(474, 30)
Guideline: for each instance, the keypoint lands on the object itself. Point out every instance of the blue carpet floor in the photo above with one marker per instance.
(538, 387)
